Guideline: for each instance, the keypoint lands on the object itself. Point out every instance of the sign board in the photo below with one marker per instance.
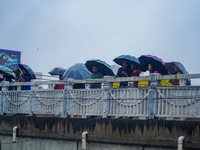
(10, 58)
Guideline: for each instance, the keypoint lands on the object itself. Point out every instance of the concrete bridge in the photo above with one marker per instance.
(149, 111)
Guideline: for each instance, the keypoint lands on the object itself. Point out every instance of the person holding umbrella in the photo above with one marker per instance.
(176, 68)
(153, 64)
(127, 61)
(98, 68)
(151, 68)
(58, 71)
(135, 73)
(7, 77)
(25, 77)
(7, 74)
(17, 73)
(96, 75)
(123, 71)
(79, 72)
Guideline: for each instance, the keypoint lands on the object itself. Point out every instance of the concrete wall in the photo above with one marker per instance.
(103, 134)
(48, 144)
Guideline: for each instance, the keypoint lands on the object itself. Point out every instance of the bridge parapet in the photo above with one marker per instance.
(137, 102)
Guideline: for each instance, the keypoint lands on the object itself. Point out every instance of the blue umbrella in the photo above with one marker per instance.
(130, 59)
(57, 71)
(103, 67)
(7, 70)
(28, 70)
(77, 71)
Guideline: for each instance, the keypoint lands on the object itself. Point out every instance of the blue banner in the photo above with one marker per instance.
(10, 58)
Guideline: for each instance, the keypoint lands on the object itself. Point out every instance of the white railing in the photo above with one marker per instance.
(148, 101)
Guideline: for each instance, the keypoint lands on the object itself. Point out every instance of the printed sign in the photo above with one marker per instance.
(10, 58)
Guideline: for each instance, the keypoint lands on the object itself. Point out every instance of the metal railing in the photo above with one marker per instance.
(143, 101)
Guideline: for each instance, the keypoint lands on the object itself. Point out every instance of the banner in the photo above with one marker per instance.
(10, 58)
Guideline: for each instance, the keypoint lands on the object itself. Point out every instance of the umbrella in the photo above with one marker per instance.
(77, 71)
(103, 67)
(57, 71)
(7, 70)
(170, 67)
(130, 59)
(158, 63)
(28, 69)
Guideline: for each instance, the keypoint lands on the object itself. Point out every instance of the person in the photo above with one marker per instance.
(123, 71)
(17, 79)
(25, 77)
(135, 73)
(59, 86)
(7, 77)
(96, 75)
(1, 79)
(176, 72)
(152, 69)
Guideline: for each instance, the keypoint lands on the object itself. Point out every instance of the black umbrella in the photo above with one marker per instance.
(155, 61)
(57, 71)
(28, 70)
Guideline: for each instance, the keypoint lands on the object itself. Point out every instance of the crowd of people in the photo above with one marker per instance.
(127, 69)
(131, 70)
(20, 76)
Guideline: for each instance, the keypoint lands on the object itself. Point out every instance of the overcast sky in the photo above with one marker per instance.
(51, 33)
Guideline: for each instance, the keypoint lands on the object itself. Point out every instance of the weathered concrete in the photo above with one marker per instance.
(107, 133)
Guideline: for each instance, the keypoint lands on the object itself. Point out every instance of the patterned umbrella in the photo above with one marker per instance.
(158, 63)
(103, 67)
(77, 71)
(28, 70)
(7, 70)
(57, 71)
(130, 59)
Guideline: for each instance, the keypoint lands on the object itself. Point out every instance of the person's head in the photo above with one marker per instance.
(150, 67)
(17, 72)
(133, 66)
(60, 77)
(125, 64)
(176, 69)
(95, 69)
(24, 71)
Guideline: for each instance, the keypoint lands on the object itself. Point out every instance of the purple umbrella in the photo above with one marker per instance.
(157, 63)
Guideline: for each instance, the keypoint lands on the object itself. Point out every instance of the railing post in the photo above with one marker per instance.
(3, 95)
(87, 86)
(153, 95)
(182, 82)
(66, 100)
(106, 96)
(32, 93)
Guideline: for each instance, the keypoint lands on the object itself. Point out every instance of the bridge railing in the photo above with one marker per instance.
(143, 101)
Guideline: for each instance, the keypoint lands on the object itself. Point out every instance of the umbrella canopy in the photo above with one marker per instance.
(77, 71)
(158, 63)
(7, 70)
(130, 59)
(28, 70)
(103, 67)
(170, 67)
(57, 71)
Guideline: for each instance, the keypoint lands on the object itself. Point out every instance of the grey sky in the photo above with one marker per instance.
(72, 31)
